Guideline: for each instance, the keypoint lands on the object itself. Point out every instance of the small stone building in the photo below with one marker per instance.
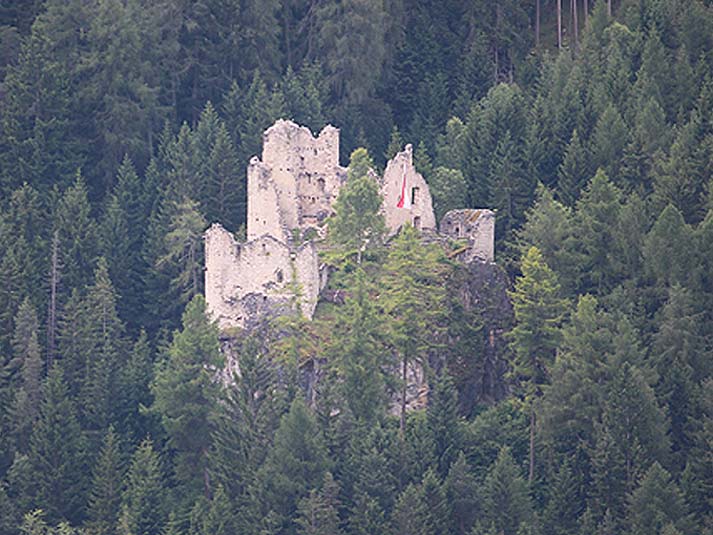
(477, 228)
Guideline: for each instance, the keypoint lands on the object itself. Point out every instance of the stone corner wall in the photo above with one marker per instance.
(406, 196)
(477, 226)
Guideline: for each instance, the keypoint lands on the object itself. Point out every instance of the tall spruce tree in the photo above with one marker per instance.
(144, 508)
(538, 314)
(106, 488)
(296, 463)
(185, 395)
(57, 454)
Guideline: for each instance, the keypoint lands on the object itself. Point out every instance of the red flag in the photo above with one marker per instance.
(400, 204)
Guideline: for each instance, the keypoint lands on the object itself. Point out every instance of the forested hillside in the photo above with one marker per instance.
(126, 127)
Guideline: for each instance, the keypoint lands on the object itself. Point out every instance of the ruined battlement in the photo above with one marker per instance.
(477, 227)
(295, 183)
(291, 192)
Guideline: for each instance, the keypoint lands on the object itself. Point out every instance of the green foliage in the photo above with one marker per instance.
(656, 504)
(413, 299)
(538, 314)
(296, 463)
(57, 454)
(318, 513)
(184, 393)
(506, 500)
(106, 489)
(125, 129)
(357, 223)
(143, 503)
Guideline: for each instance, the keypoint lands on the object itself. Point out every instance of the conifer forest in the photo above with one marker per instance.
(573, 395)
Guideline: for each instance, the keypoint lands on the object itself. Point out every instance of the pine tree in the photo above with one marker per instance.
(134, 379)
(27, 399)
(549, 227)
(245, 421)
(77, 235)
(57, 454)
(510, 188)
(260, 108)
(106, 489)
(182, 252)
(564, 506)
(439, 516)
(574, 171)
(598, 212)
(506, 501)
(538, 313)
(444, 422)
(357, 222)
(448, 189)
(629, 437)
(226, 202)
(143, 508)
(679, 178)
(106, 351)
(367, 476)
(671, 234)
(296, 463)
(410, 513)
(413, 301)
(318, 513)
(356, 350)
(185, 394)
(680, 355)
(656, 504)
(122, 233)
(396, 144)
(462, 492)
(215, 516)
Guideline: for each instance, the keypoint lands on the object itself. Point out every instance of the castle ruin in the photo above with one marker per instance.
(291, 193)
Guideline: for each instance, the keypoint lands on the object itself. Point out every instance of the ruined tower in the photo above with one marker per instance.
(290, 195)
(295, 184)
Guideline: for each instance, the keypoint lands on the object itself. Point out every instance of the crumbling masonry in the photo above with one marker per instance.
(291, 192)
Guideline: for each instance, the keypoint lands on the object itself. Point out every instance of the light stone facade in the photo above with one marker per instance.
(407, 198)
(260, 278)
(295, 183)
(477, 226)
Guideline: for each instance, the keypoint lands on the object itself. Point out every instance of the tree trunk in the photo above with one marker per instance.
(559, 24)
(537, 23)
(586, 11)
(575, 24)
(404, 377)
(531, 473)
(609, 7)
(52, 309)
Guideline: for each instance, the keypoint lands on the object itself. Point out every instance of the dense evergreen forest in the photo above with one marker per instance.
(125, 129)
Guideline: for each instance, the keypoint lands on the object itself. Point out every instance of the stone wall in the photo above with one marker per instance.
(407, 198)
(250, 282)
(296, 183)
(477, 226)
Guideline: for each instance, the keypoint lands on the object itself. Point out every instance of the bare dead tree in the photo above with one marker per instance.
(54, 274)
(586, 11)
(537, 23)
(559, 24)
(575, 24)
(609, 7)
